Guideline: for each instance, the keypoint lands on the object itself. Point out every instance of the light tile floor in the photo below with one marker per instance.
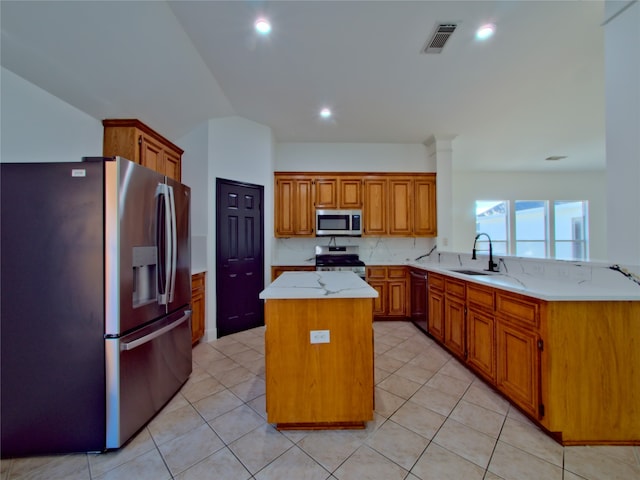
(434, 421)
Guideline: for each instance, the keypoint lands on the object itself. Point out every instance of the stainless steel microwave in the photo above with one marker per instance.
(338, 222)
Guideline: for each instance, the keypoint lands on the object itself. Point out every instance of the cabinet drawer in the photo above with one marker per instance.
(435, 281)
(396, 272)
(197, 281)
(377, 272)
(454, 287)
(481, 297)
(518, 309)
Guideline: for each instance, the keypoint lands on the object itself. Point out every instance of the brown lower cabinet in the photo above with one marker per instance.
(392, 285)
(454, 314)
(481, 333)
(571, 366)
(198, 282)
(435, 306)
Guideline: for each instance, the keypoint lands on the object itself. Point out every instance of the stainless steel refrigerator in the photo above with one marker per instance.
(95, 299)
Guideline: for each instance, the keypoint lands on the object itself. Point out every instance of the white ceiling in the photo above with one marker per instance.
(534, 90)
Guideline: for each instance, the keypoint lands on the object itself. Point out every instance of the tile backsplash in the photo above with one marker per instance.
(401, 251)
(565, 271)
(373, 250)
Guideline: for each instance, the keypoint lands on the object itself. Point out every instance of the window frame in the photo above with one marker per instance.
(550, 240)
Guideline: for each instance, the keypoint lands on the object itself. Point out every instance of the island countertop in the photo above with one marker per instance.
(299, 285)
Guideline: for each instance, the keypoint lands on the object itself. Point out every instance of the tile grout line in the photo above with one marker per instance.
(495, 445)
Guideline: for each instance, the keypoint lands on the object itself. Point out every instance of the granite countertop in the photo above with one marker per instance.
(300, 285)
(616, 288)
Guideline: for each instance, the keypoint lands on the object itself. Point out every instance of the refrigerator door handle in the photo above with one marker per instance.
(172, 247)
(155, 334)
(163, 240)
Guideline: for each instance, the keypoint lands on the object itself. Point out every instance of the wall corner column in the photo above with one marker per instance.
(622, 94)
(440, 151)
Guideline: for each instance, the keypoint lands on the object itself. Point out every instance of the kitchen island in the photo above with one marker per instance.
(319, 350)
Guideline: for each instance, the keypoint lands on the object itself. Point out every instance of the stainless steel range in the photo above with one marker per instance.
(337, 258)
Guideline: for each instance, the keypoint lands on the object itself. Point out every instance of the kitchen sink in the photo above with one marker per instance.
(470, 272)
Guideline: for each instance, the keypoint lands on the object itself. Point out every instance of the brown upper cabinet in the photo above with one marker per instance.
(343, 192)
(132, 139)
(294, 214)
(376, 201)
(401, 205)
(424, 211)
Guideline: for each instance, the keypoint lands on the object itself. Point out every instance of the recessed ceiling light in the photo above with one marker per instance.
(485, 31)
(556, 157)
(262, 26)
(325, 113)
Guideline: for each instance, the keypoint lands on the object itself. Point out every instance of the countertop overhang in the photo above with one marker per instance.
(318, 285)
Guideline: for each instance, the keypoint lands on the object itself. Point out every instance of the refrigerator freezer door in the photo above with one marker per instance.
(133, 257)
(144, 370)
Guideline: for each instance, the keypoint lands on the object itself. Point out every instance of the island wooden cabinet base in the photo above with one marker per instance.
(319, 385)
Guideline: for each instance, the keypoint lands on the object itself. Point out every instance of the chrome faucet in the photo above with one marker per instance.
(493, 267)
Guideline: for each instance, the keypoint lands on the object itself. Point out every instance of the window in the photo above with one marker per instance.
(570, 220)
(492, 218)
(535, 228)
(531, 228)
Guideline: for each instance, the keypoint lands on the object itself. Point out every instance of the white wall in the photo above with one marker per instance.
(352, 157)
(469, 187)
(38, 127)
(195, 172)
(622, 91)
(240, 150)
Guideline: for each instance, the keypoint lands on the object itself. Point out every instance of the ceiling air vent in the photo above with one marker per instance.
(441, 34)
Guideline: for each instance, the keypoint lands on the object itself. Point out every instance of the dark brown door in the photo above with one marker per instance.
(239, 256)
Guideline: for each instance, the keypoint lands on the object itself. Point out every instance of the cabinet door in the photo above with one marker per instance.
(399, 293)
(304, 213)
(350, 193)
(435, 319)
(375, 206)
(397, 304)
(454, 322)
(284, 214)
(424, 207)
(172, 165)
(380, 303)
(400, 207)
(518, 365)
(151, 154)
(197, 307)
(293, 207)
(481, 343)
(326, 193)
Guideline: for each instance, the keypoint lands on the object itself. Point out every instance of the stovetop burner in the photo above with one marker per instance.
(339, 260)
(336, 258)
